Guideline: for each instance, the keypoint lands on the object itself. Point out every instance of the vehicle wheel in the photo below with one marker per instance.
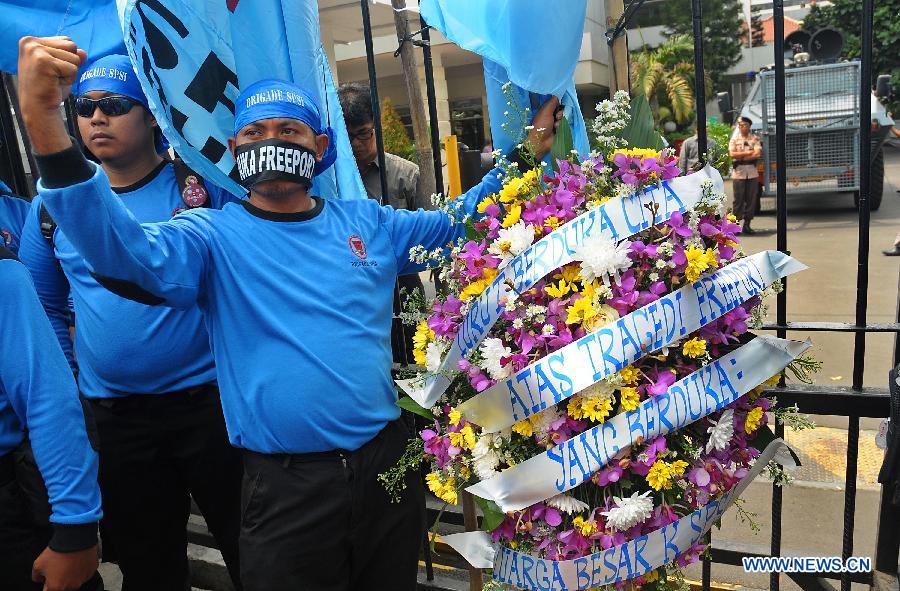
(876, 188)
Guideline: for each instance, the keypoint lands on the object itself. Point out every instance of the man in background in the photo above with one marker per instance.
(402, 180)
(689, 157)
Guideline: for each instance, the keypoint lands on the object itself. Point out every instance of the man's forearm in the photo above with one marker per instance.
(47, 132)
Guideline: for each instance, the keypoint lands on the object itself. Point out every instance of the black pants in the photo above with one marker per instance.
(746, 195)
(24, 534)
(156, 452)
(322, 522)
(402, 335)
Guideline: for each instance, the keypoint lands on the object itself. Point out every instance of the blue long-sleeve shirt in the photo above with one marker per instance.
(38, 393)
(123, 347)
(12, 217)
(298, 306)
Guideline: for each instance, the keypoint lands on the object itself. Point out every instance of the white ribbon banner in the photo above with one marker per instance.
(605, 351)
(695, 396)
(617, 219)
(620, 563)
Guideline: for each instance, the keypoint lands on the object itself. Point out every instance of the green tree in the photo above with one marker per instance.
(723, 31)
(845, 16)
(665, 75)
(396, 139)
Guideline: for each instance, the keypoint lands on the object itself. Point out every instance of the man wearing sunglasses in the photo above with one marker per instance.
(147, 371)
(297, 293)
(401, 180)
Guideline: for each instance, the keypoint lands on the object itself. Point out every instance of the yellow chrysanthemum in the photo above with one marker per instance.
(678, 467)
(660, 476)
(629, 375)
(512, 189)
(638, 152)
(530, 178)
(630, 398)
(569, 273)
(487, 201)
(698, 261)
(558, 290)
(579, 311)
(524, 428)
(455, 416)
(513, 215)
(694, 348)
(754, 418)
(477, 287)
(552, 222)
(573, 409)
(596, 408)
(464, 438)
(421, 338)
(773, 381)
(584, 527)
(651, 577)
(445, 490)
(732, 219)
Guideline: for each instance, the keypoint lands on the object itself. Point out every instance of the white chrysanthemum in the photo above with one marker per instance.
(518, 323)
(601, 258)
(721, 433)
(601, 389)
(486, 466)
(434, 353)
(492, 350)
(485, 458)
(511, 242)
(629, 511)
(541, 422)
(567, 504)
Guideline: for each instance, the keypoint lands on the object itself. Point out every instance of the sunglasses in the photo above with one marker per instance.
(111, 106)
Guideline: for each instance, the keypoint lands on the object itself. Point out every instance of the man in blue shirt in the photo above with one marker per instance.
(38, 397)
(296, 292)
(12, 217)
(147, 371)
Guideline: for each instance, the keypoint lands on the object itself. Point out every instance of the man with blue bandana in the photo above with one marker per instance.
(297, 294)
(147, 371)
(13, 211)
(55, 547)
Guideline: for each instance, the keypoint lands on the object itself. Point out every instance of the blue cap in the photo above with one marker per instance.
(270, 99)
(115, 73)
(112, 73)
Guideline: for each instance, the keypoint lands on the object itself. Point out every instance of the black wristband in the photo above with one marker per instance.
(62, 169)
(73, 538)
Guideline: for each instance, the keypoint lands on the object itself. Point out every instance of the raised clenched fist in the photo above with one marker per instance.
(48, 66)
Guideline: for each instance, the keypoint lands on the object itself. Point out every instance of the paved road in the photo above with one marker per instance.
(823, 233)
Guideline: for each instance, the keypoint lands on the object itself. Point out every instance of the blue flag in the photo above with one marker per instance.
(194, 56)
(92, 24)
(532, 44)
